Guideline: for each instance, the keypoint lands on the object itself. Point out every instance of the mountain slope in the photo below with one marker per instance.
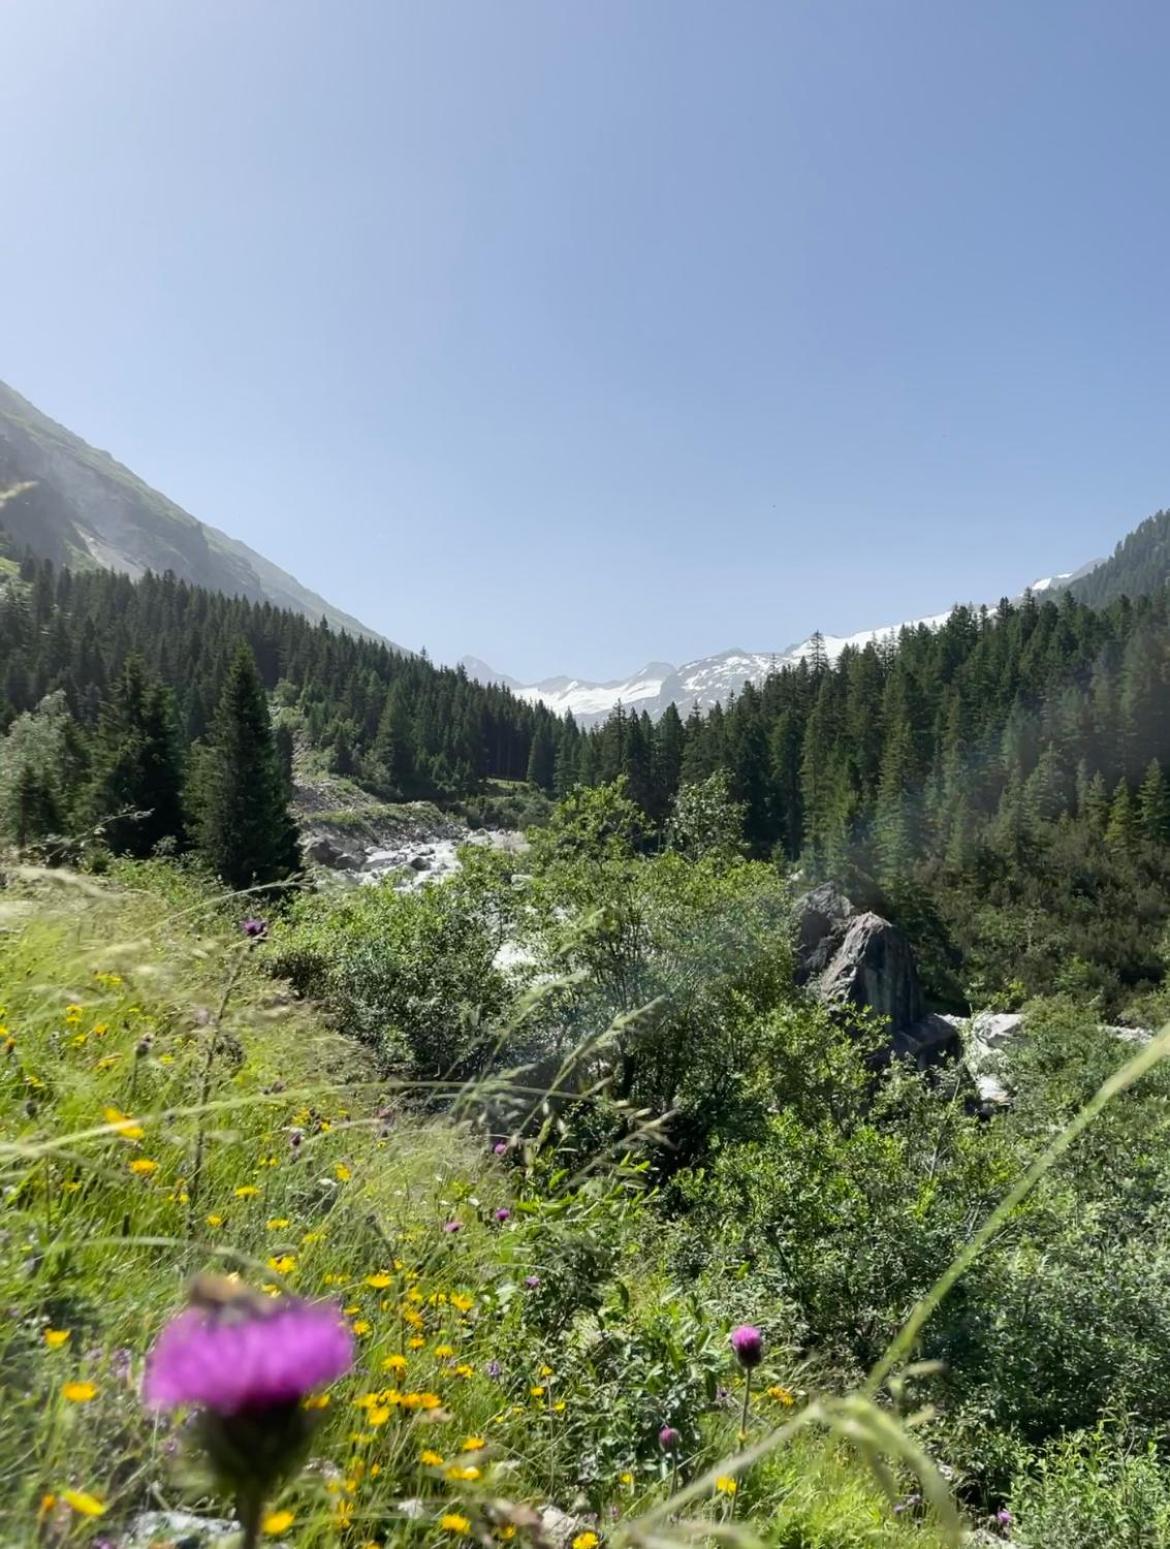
(75, 505)
(1138, 566)
(708, 680)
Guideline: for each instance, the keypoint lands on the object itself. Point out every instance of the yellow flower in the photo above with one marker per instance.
(464, 1472)
(284, 1264)
(627, 1478)
(247, 1191)
(310, 1238)
(430, 1459)
(560, 1406)
(361, 1326)
(537, 1392)
(464, 1370)
(461, 1301)
(127, 1127)
(143, 1166)
(83, 1503)
(416, 1343)
(79, 1392)
(379, 1282)
(782, 1395)
(343, 1514)
(379, 1414)
(72, 1015)
(586, 1541)
(547, 1371)
(56, 1337)
(342, 1172)
(214, 1220)
(412, 1317)
(444, 1352)
(277, 1521)
(47, 1504)
(107, 1061)
(429, 1401)
(452, 1522)
(277, 1223)
(394, 1363)
(507, 1533)
(317, 1401)
(726, 1485)
(473, 1444)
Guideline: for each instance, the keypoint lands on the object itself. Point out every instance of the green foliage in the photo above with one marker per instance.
(243, 826)
(137, 791)
(1096, 1489)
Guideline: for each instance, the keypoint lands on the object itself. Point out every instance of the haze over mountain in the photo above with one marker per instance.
(708, 680)
(76, 505)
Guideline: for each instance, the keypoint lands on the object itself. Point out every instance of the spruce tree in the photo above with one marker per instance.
(542, 756)
(1154, 806)
(1122, 831)
(245, 830)
(136, 791)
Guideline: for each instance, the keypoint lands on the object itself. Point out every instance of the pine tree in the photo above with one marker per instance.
(542, 756)
(245, 830)
(394, 753)
(136, 793)
(1122, 831)
(1154, 806)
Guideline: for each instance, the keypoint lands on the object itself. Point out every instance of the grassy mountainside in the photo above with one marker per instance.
(78, 506)
(1138, 566)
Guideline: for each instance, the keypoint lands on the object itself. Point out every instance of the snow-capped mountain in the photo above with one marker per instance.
(708, 680)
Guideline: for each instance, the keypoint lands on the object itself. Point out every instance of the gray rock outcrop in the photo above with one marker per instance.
(874, 967)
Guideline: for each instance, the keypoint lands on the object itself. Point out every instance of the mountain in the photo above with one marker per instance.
(708, 680)
(70, 503)
(1139, 565)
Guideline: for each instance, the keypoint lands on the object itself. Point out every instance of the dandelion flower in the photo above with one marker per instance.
(247, 1191)
(473, 1444)
(143, 1166)
(453, 1522)
(128, 1128)
(782, 1395)
(342, 1173)
(56, 1337)
(378, 1282)
(79, 1392)
(83, 1503)
(586, 1541)
(394, 1363)
(430, 1459)
(361, 1326)
(277, 1223)
(278, 1521)
(213, 1219)
(444, 1352)
(726, 1485)
(464, 1472)
(284, 1264)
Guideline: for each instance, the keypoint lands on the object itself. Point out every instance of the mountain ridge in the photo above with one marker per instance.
(72, 503)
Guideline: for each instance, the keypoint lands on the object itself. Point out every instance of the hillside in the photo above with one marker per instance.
(76, 505)
(1138, 566)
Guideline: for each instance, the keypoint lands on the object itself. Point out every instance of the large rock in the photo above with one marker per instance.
(323, 851)
(822, 918)
(874, 967)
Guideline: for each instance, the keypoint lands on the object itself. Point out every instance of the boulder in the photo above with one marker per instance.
(323, 851)
(874, 967)
(822, 919)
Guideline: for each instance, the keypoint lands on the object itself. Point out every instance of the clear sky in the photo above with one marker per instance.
(573, 333)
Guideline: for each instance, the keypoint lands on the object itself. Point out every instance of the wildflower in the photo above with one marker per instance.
(415, 1343)
(247, 1191)
(142, 1166)
(278, 1521)
(494, 1370)
(458, 1473)
(394, 1363)
(586, 1541)
(72, 1015)
(444, 1352)
(127, 1127)
(503, 1214)
(500, 1148)
(342, 1173)
(379, 1414)
(473, 1444)
(748, 1344)
(451, 1227)
(532, 1282)
(214, 1220)
(316, 1401)
(378, 1282)
(79, 1392)
(283, 1264)
(726, 1485)
(464, 1370)
(461, 1301)
(56, 1337)
(83, 1503)
(254, 928)
(452, 1522)
(361, 1326)
(276, 1223)
(430, 1459)
(782, 1395)
(537, 1391)
(1004, 1517)
(252, 1361)
(627, 1478)
(669, 1438)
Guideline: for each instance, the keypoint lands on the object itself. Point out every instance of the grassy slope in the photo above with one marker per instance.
(111, 994)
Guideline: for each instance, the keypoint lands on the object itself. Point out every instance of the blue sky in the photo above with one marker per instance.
(573, 333)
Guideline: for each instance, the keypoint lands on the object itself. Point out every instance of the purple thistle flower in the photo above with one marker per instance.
(669, 1438)
(452, 1226)
(494, 1370)
(228, 1363)
(532, 1282)
(503, 1214)
(748, 1344)
(1004, 1517)
(500, 1148)
(254, 927)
